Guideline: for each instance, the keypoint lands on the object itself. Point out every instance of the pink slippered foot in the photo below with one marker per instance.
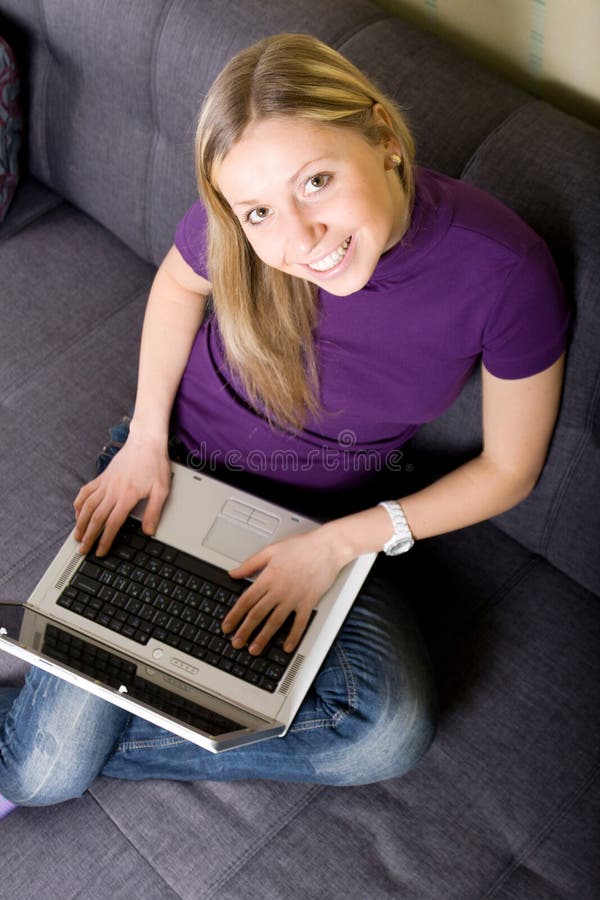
(6, 807)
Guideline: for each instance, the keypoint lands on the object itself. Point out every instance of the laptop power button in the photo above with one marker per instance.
(157, 653)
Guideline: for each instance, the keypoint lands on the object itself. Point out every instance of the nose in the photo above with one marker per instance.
(302, 233)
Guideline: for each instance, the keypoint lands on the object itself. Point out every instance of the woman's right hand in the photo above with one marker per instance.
(140, 469)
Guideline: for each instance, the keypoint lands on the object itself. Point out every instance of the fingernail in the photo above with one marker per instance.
(237, 643)
(254, 648)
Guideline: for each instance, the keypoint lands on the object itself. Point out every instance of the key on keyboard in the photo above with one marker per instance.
(114, 671)
(146, 589)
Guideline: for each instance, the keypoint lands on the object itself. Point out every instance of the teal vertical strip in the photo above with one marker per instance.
(431, 8)
(535, 61)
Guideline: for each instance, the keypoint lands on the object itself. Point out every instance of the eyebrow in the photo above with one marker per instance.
(290, 180)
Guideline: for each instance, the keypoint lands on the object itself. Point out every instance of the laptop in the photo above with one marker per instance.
(141, 627)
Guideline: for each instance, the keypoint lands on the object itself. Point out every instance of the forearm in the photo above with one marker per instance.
(471, 493)
(173, 316)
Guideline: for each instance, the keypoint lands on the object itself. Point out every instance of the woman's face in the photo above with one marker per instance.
(315, 201)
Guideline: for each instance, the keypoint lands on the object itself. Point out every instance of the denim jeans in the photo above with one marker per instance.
(369, 715)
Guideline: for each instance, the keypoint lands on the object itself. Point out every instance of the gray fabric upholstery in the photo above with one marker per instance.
(32, 201)
(505, 804)
(451, 103)
(551, 188)
(116, 89)
(72, 313)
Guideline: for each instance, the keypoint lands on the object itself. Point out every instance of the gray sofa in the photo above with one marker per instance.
(505, 804)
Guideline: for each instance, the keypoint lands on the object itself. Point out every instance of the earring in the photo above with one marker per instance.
(396, 160)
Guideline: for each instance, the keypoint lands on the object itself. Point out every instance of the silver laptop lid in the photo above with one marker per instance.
(129, 682)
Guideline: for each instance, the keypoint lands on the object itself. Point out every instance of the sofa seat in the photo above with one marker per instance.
(72, 374)
(500, 798)
(505, 804)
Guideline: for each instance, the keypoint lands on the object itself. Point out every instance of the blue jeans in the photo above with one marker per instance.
(369, 716)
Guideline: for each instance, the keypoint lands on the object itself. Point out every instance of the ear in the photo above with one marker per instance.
(380, 116)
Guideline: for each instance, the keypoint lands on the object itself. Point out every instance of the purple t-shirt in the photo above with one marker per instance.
(469, 281)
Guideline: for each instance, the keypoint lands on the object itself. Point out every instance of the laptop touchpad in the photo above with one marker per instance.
(235, 541)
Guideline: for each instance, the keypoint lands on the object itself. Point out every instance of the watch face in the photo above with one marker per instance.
(398, 547)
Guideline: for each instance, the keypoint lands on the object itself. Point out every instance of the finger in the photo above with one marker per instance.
(271, 626)
(94, 526)
(86, 512)
(252, 564)
(252, 621)
(297, 630)
(244, 604)
(84, 493)
(111, 528)
(154, 507)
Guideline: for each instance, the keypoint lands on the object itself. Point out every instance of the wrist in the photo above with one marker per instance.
(149, 430)
(354, 535)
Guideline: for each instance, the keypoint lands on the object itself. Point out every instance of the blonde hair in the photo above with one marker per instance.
(266, 318)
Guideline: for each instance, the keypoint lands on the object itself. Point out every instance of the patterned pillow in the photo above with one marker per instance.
(10, 126)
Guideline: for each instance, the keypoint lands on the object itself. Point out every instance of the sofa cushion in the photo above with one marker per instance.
(74, 850)
(451, 103)
(31, 201)
(10, 126)
(495, 795)
(64, 378)
(551, 189)
(125, 90)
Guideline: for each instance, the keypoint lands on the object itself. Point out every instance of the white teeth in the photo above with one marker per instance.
(333, 259)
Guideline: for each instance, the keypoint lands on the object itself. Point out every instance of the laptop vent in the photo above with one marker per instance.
(289, 678)
(75, 562)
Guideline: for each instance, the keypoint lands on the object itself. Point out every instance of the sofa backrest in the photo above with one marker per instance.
(114, 92)
(116, 87)
(546, 166)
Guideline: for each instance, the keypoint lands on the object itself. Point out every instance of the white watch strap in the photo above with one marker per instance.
(402, 530)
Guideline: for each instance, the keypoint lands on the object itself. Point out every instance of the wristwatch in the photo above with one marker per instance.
(402, 538)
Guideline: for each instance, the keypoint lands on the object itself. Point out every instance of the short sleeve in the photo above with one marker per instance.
(528, 326)
(190, 238)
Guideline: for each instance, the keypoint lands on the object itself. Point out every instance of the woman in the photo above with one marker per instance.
(353, 293)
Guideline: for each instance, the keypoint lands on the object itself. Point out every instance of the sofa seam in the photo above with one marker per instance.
(349, 35)
(24, 561)
(535, 841)
(135, 848)
(44, 92)
(13, 388)
(251, 852)
(507, 586)
(495, 131)
(6, 234)
(155, 138)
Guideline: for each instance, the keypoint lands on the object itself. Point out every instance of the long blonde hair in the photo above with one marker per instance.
(266, 318)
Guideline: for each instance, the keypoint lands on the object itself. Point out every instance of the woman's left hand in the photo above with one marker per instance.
(296, 573)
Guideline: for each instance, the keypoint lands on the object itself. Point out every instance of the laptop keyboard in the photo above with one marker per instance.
(147, 589)
(115, 671)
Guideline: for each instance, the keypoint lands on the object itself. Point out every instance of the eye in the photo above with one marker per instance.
(258, 215)
(317, 183)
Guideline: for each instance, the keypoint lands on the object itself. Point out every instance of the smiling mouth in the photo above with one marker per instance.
(328, 262)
